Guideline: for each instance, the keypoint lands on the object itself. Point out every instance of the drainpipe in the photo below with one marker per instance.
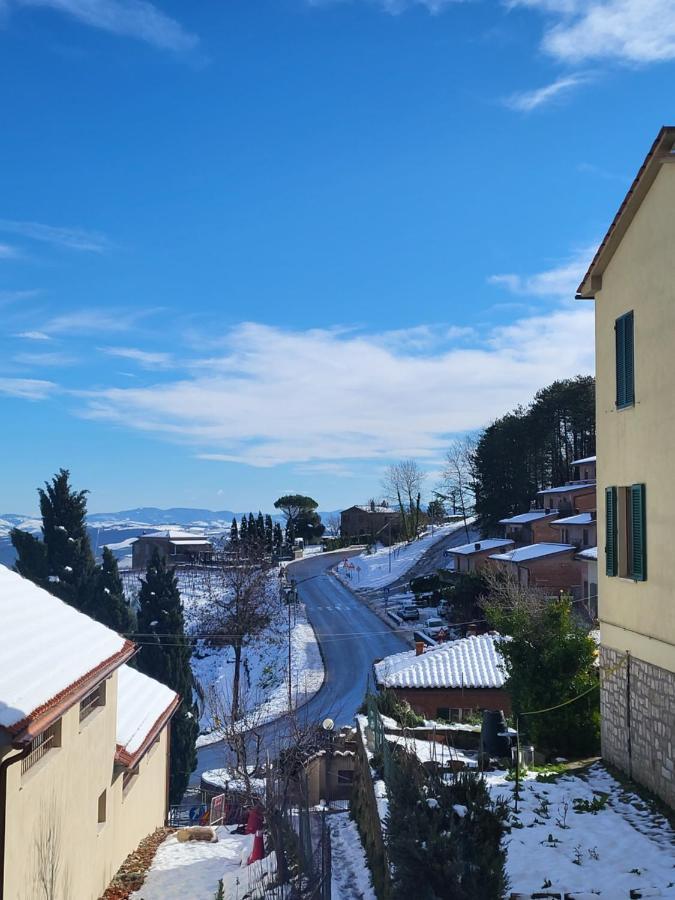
(4, 765)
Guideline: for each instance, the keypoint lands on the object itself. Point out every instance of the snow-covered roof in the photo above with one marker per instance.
(532, 516)
(584, 461)
(480, 546)
(569, 488)
(532, 551)
(590, 553)
(378, 509)
(142, 704)
(194, 542)
(174, 534)
(48, 651)
(472, 662)
(584, 518)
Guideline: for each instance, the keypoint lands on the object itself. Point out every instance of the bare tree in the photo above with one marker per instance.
(50, 876)
(241, 595)
(459, 478)
(402, 483)
(333, 525)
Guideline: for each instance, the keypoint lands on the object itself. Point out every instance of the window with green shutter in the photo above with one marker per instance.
(625, 361)
(611, 532)
(638, 544)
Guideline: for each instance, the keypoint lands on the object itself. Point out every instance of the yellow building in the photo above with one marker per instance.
(632, 279)
(84, 748)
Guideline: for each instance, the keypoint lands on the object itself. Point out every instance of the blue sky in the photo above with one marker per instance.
(250, 247)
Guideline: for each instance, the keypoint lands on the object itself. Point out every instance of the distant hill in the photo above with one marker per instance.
(117, 530)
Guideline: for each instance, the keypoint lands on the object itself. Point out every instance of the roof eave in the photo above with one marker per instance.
(131, 760)
(660, 152)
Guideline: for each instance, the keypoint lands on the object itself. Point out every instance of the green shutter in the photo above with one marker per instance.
(625, 360)
(638, 547)
(611, 558)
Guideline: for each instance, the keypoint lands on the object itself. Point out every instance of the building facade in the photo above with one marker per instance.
(173, 545)
(371, 521)
(631, 280)
(84, 748)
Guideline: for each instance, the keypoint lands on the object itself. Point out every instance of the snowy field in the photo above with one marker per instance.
(623, 845)
(264, 673)
(191, 871)
(372, 570)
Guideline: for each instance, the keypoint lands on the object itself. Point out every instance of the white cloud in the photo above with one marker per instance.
(71, 238)
(635, 31)
(33, 336)
(145, 358)
(91, 321)
(14, 296)
(526, 101)
(27, 388)
(396, 7)
(8, 252)
(321, 396)
(128, 18)
(55, 358)
(560, 281)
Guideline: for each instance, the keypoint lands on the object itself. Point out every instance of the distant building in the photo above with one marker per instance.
(448, 681)
(472, 557)
(585, 468)
(369, 521)
(529, 527)
(589, 580)
(549, 567)
(84, 745)
(631, 280)
(568, 498)
(174, 545)
(579, 529)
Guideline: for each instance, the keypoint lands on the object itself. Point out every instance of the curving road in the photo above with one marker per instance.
(351, 638)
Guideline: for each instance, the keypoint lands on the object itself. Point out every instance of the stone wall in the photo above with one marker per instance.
(641, 744)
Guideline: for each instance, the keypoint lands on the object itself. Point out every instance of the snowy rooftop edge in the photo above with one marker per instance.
(532, 551)
(141, 702)
(479, 546)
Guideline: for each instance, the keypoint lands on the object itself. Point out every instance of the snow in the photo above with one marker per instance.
(584, 518)
(472, 662)
(581, 462)
(432, 751)
(140, 702)
(264, 661)
(372, 570)
(569, 488)
(533, 551)
(228, 780)
(532, 516)
(478, 546)
(590, 553)
(627, 845)
(175, 534)
(350, 876)
(192, 869)
(38, 663)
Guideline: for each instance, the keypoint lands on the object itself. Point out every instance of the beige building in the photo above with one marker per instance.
(84, 747)
(632, 280)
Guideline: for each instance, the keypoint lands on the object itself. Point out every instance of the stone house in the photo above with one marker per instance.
(173, 545)
(84, 745)
(450, 680)
(549, 567)
(371, 520)
(631, 280)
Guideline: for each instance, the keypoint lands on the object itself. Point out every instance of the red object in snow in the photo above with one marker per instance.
(255, 820)
(258, 851)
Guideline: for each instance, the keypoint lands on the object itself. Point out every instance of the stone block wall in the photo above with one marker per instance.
(643, 744)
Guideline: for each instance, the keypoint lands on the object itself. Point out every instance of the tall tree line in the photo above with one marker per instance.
(532, 448)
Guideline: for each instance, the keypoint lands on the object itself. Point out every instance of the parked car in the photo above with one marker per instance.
(445, 608)
(409, 612)
(434, 626)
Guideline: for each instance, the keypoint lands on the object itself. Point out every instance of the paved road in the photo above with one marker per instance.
(351, 637)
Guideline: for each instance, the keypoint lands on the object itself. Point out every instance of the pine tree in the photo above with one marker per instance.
(278, 538)
(269, 534)
(234, 532)
(166, 657)
(107, 603)
(70, 565)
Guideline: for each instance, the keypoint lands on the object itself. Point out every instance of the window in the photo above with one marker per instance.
(345, 776)
(92, 701)
(101, 808)
(41, 745)
(448, 714)
(626, 538)
(625, 361)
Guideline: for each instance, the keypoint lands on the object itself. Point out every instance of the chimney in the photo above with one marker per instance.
(419, 648)
(476, 547)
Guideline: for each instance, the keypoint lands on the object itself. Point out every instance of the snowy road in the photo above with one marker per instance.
(351, 637)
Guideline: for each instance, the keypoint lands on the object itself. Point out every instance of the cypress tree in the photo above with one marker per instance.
(107, 603)
(260, 529)
(65, 566)
(243, 530)
(166, 657)
(251, 528)
(269, 534)
(290, 533)
(234, 532)
(278, 538)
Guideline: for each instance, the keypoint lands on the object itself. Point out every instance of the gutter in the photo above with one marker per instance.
(4, 766)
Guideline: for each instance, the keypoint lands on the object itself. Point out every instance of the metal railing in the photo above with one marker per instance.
(41, 745)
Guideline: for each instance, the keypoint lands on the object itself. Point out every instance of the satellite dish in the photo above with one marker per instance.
(328, 724)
